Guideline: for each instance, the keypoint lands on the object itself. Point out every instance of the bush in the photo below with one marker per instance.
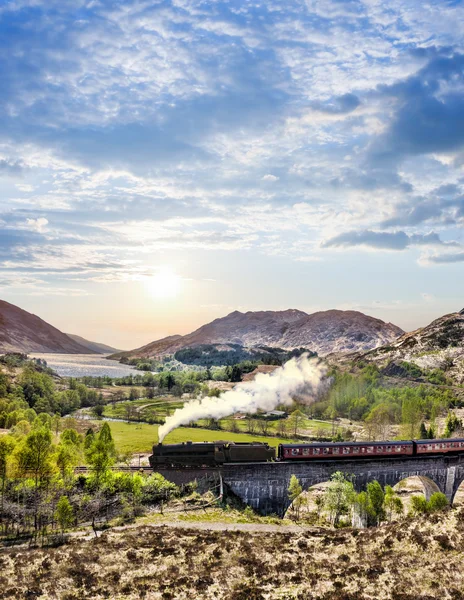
(438, 501)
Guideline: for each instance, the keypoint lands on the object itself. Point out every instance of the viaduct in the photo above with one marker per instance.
(263, 486)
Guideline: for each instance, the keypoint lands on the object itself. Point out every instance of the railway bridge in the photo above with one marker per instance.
(263, 486)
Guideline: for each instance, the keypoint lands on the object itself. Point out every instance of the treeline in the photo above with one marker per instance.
(361, 396)
(40, 492)
(208, 355)
(341, 506)
(33, 392)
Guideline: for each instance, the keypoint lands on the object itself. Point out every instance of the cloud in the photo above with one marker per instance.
(339, 105)
(383, 240)
(37, 224)
(442, 259)
(270, 177)
(429, 116)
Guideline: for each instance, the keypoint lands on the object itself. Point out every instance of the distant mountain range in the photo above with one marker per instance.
(322, 332)
(21, 331)
(94, 346)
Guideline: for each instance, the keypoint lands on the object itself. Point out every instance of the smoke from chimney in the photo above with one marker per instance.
(302, 376)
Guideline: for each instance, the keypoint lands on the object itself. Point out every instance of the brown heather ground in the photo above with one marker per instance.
(411, 560)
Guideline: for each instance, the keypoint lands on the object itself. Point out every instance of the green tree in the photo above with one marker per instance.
(101, 454)
(34, 458)
(423, 433)
(339, 496)
(295, 420)
(295, 490)
(392, 503)
(64, 513)
(98, 410)
(453, 423)
(7, 445)
(376, 498)
(411, 416)
(418, 505)
(379, 421)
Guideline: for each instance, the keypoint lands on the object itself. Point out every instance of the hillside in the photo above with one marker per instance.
(439, 345)
(322, 332)
(93, 346)
(21, 331)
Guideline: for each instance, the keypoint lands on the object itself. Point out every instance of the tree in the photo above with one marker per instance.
(376, 498)
(294, 494)
(295, 419)
(411, 416)
(418, 505)
(101, 454)
(35, 457)
(98, 410)
(64, 513)
(423, 434)
(380, 420)
(7, 444)
(282, 427)
(392, 503)
(339, 496)
(251, 424)
(453, 423)
(264, 426)
(134, 394)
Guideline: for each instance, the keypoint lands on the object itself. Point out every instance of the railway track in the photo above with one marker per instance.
(127, 469)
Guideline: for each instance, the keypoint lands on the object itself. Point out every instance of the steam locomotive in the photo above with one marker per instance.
(211, 454)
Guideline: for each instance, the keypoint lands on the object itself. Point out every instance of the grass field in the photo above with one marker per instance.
(158, 408)
(140, 437)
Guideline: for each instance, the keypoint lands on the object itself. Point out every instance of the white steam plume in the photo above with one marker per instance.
(297, 376)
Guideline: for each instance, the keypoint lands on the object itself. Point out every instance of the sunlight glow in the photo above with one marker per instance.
(163, 284)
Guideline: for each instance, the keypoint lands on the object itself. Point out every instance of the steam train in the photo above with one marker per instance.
(211, 454)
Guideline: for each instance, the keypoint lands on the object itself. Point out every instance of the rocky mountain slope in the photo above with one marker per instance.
(21, 331)
(322, 332)
(438, 345)
(93, 346)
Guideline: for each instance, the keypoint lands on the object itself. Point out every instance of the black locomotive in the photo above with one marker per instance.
(210, 453)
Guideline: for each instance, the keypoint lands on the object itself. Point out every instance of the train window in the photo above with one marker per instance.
(379, 449)
(316, 450)
(370, 449)
(398, 448)
(305, 451)
(355, 450)
(295, 451)
(389, 448)
(363, 450)
(346, 450)
(429, 446)
(335, 450)
(326, 450)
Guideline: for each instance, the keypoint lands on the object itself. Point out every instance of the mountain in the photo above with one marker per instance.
(93, 346)
(21, 331)
(322, 332)
(439, 345)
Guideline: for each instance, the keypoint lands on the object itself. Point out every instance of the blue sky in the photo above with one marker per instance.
(164, 163)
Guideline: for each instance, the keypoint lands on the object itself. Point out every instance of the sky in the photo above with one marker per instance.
(165, 163)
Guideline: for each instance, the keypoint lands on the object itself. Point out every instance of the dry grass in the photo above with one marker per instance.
(413, 560)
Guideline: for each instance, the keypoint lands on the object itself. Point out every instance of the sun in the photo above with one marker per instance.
(164, 283)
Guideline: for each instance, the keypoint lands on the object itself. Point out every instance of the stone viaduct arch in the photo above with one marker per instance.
(264, 485)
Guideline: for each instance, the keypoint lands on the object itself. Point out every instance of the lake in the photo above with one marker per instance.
(80, 365)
